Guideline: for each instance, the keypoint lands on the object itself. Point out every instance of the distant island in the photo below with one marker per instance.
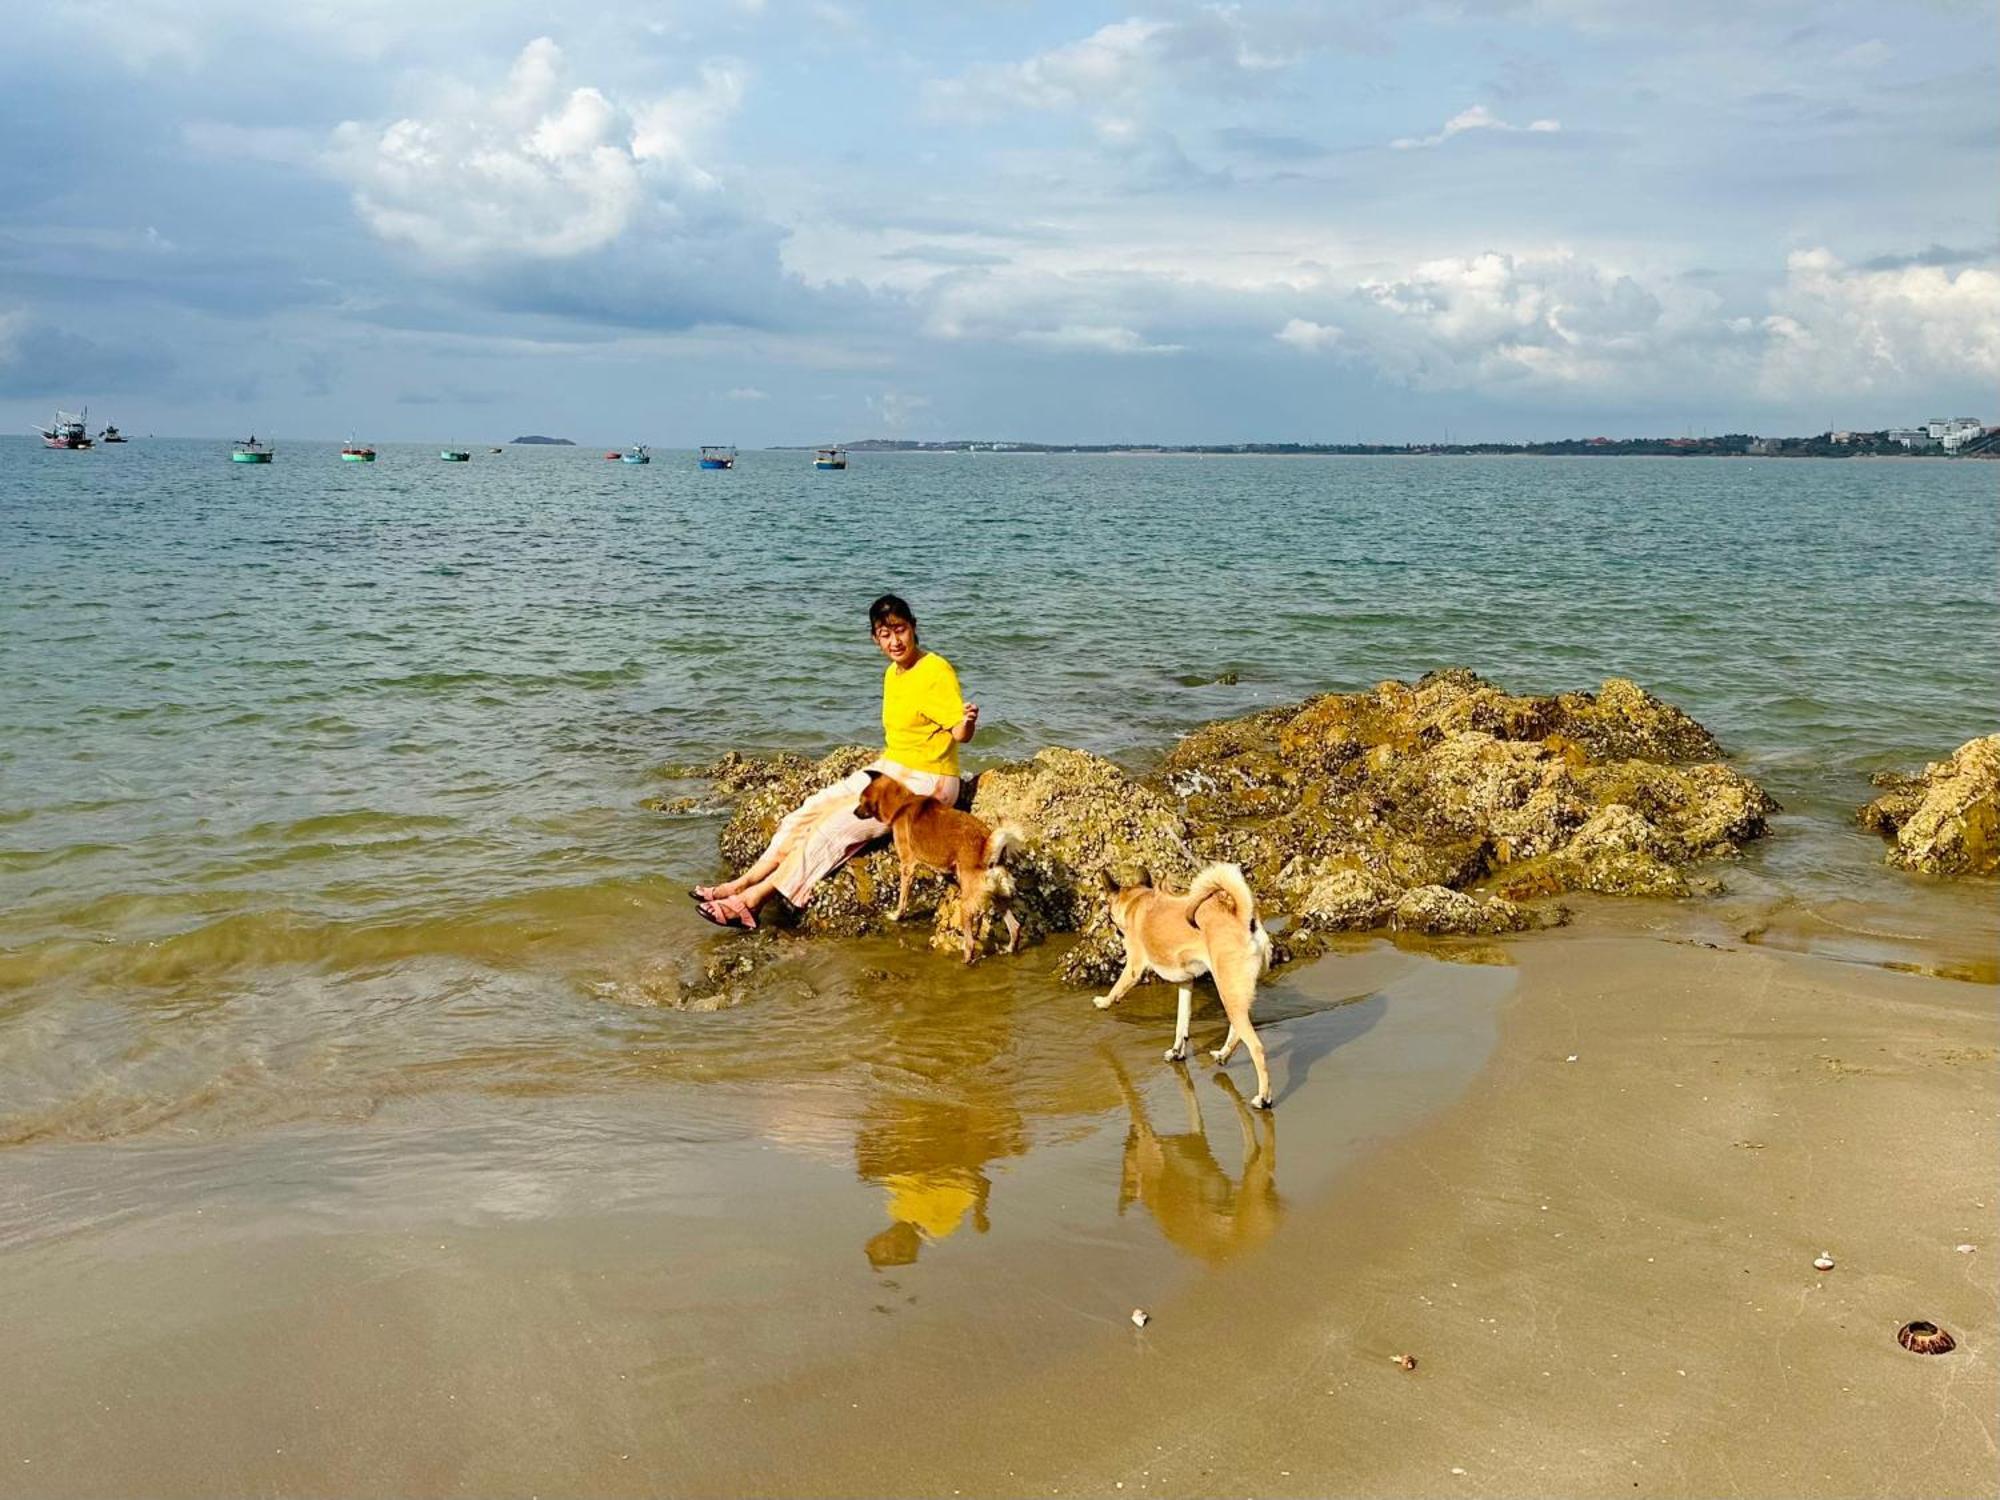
(551, 442)
(1962, 437)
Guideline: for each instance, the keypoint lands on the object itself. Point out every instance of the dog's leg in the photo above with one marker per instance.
(1013, 928)
(1221, 1054)
(1183, 1017)
(1133, 969)
(909, 873)
(1238, 992)
(972, 912)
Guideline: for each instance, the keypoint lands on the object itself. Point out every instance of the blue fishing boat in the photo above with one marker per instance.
(454, 456)
(636, 454)
(250, 451)
(718, 456)
(830, 458)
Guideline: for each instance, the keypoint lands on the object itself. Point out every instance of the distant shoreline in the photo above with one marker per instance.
(1300, 450)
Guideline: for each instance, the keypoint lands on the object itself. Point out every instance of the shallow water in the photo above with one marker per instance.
(322, 785)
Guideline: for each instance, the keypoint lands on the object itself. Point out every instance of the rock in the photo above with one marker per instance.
(1347, 812)
(1450, 782)
(1439, 909)
(1349, 900)
(1622, 721)
(1946, 821)
(1084, 818)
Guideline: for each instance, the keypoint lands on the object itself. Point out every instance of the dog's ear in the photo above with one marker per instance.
(1145, 879)
(873, 776)
(1109, 881)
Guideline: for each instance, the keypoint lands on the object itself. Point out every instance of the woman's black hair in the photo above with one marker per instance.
(889, 607)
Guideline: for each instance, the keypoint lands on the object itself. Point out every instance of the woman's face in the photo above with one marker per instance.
(898, 639)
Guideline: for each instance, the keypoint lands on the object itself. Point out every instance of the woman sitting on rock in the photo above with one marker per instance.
(924, 721)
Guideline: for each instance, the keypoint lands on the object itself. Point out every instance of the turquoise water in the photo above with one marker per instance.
(322, 782)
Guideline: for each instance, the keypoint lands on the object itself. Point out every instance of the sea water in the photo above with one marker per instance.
(325, 786)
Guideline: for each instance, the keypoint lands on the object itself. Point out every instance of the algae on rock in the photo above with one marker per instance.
(1946, 821)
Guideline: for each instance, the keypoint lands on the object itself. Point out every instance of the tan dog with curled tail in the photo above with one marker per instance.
(1214, 930)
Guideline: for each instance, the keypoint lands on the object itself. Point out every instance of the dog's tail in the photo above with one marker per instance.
(1225, 885)
(1002, 841)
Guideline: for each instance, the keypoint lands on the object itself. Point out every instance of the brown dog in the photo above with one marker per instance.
(942, 838)
(1213, 929)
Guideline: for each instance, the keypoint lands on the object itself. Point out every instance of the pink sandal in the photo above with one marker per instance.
(727, 911)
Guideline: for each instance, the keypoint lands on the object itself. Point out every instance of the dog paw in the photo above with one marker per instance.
(1176, 1054)
(1216, 1053)
(1102, 1002)
(1261, 1101)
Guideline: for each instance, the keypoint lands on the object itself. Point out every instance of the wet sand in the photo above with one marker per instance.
(1602, 1266)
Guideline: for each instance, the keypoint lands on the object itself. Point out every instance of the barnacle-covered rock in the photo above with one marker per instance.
(1946, 821)
(1347, 812)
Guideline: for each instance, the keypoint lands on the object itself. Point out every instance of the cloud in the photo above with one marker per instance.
(1094, 339)
(1303, 334)
(532, 170)
(745, 393)
(1552, 323)
(39, 359)
(1910, 330)
(1119, 66)
(1478, 117)
(896, 408)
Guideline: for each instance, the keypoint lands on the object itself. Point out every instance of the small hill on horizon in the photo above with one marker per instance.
(553, 442)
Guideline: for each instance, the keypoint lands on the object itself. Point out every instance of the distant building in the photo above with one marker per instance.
(1911, 437)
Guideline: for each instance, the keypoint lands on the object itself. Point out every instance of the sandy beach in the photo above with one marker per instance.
(1581, 1179)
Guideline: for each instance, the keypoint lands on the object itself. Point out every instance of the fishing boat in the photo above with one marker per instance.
(830, 458)
(454, 455)
(250, 451)
(636, 454)
(111, 435)
(69, 430)
(494, 450)
(352, 452)
(718, 456)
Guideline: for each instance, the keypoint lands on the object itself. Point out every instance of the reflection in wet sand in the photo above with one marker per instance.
(929, 1156)
(929, 1151)
(1177, 1179)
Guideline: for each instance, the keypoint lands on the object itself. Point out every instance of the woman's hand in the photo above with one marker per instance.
(967, 726)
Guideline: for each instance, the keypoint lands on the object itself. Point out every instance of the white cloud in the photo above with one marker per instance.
(1836, 328)
(1551, 321)
(1478, 117)
(1093, 338)
(1310, 337)
(746, 393)
(1118, 66)
(533, 169)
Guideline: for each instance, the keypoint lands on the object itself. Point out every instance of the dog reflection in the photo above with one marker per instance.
(1178, 1180)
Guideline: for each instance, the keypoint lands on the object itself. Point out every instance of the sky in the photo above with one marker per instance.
(810, 221)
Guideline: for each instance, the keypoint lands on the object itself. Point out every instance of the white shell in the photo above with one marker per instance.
(1140, 1317)
(1823, 1261)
